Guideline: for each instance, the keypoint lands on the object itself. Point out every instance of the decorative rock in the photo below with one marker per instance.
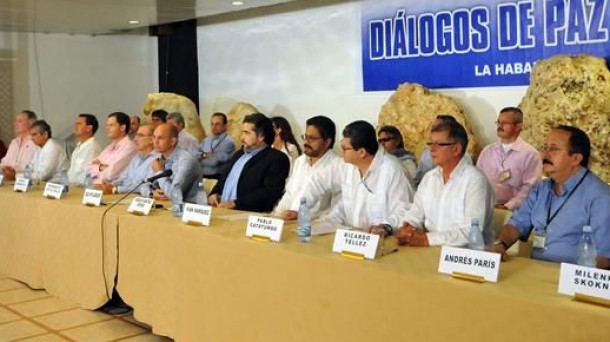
(571, 90)
(413, 109)
(171, 102)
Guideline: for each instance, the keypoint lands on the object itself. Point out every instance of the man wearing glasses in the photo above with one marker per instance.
(319, 139)
(557, 208)
(512, 165)
(391, 139)
(449, 196)
(375, 192)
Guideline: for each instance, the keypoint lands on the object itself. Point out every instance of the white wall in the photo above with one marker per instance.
(59, 76)
(308, 62)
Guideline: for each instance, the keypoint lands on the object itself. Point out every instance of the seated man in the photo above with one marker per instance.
(22, 148)
(186, 140)
(375, 191)
(319, 141)
(158, 117)
(134, 126)
(425, 163)
(186, 173)
(449, 196)
(558, 207)
(115, 157)
(256, 175)
(51, 159)
(86, 149)
(216, 150)
(391, 140)
(511, 165)
(139, 168)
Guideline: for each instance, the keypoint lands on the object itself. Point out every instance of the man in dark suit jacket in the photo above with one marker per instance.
(256, 175)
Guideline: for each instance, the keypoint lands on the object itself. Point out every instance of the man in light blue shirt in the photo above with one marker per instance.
(186, 173)
(557, 208)
(216, 150)
(139, 168)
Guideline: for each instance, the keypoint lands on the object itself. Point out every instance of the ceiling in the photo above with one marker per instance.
(110, 16)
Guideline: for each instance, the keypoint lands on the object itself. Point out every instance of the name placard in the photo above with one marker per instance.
(593, 282)
(477, 264)
(21, 184)
(356, 243)
(1, 180)
(265, 227)
(141, 206)
(92, 197)
(196, 213)
(52, 190)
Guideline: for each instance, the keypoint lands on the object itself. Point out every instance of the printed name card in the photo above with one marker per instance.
(52, 190)
(265, 228)
(141, 206)
(470, 264)
(21, 184)
(587, 281)
(356, 244)
(1, 180)
(196, 213)
(92, 197)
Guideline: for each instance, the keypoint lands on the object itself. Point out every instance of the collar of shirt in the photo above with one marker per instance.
(457, 172)
(120, 143)
(516, 145)
(219, 136)
(569, 184)
(254, 152)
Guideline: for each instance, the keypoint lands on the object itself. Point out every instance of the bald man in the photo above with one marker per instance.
(186, 171)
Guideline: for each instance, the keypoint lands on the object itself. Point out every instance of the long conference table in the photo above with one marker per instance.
(214, 284)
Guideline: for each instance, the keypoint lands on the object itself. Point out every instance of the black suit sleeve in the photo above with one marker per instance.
(273, 172)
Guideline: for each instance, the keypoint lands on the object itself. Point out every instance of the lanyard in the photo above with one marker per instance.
(212, 147)
(550, 218)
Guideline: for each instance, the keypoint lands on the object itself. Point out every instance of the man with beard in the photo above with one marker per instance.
(558, 207)
(319, 140)
(256, 175)
(511, 165)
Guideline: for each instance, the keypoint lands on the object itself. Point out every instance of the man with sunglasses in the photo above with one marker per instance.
(449, 196)
(511, 164)
(556, 209)
(390, 138)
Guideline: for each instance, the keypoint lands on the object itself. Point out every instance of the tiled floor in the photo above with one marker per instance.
(35, 316)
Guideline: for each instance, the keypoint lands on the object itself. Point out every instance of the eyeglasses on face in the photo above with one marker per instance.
(439, 144)
(309, 138)
(384, 140)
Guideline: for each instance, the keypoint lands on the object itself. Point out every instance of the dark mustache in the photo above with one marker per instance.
(547, 161)
(307, 146)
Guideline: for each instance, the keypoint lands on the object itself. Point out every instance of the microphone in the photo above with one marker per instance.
(163, 174)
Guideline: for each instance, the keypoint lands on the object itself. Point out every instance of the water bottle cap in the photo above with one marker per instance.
(587, 229)
(303, 200)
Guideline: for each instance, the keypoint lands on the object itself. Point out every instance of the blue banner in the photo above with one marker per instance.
(441, 44)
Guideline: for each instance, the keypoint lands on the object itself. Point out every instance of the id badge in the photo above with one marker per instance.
(504, 176)
(539, 240)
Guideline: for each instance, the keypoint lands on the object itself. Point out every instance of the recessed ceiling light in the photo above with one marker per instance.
(237, 3)
(134, 22)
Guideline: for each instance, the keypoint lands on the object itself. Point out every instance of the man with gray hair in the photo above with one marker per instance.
(186, 140)
(21, 149)
(51, 159)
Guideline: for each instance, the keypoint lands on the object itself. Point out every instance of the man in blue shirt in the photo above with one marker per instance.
(256, 175)
(216, 150)
(557, 208)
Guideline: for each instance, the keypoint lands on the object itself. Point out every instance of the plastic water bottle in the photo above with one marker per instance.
(88, 184)
(202, 197)
(176, 197)
(475, 237)
(28, 173)
(1, 177)
(587, 253)
(304, 222)
(65, 181)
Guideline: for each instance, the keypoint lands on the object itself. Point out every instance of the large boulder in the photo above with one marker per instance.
(171, 102)
(413, 109)
(571, 90)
